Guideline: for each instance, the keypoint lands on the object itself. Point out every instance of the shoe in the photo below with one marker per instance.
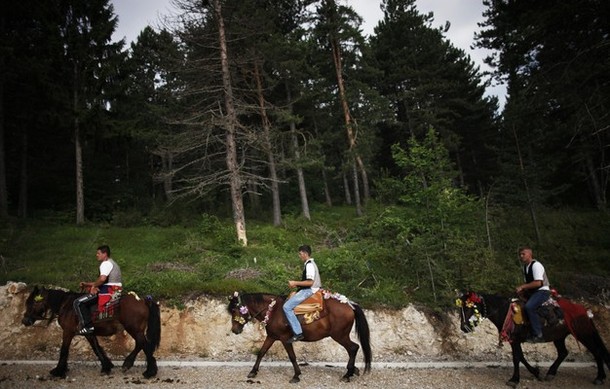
(536, 339)
(295, 338)
(86, 330)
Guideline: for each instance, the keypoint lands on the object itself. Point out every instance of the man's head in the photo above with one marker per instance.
(305, 249)
(525, 254)
(103, 252)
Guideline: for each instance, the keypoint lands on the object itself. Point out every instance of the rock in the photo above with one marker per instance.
(201, 331)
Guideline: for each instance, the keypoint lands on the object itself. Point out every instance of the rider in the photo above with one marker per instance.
(535, 289)
(309, 284)
(108, 282)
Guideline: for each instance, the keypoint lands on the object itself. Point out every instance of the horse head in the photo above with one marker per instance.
(240, 313)
(36, 306)
(471, 306)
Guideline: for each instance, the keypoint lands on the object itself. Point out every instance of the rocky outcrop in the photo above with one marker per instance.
(201, 331)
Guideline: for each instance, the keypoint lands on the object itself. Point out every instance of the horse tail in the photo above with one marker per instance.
(153, 330)
(364, 335)
(598, 341)
(583, 329)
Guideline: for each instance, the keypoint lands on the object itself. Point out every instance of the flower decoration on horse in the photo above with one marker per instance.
(470, 305)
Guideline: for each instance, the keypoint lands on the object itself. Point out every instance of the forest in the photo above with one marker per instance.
(266, 112)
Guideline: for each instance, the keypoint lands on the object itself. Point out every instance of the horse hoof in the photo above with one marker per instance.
(512, 384)
(294, 380)
(549, 377)
(58, 373)
(149, 374)
(597, 381)
(357, 371)
(345, 379)
(252, 374)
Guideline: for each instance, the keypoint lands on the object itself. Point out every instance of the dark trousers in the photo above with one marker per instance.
(82, 306)
(531, 307)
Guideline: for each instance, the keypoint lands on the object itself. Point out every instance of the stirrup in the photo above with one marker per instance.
(87, 330)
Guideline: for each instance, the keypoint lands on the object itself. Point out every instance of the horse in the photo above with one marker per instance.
(499, 310)
(134, 315)
(336, 320)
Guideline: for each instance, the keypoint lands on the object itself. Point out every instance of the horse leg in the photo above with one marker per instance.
(293, 359)
(352, 350)
(151, 362)
(62, 365)
(562, 353)
(593, 342)
(130, 359)
(261, 353)
(107, 364)
(518, 357)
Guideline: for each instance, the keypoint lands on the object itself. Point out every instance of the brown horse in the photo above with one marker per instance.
(135, 316)
(474, 307)
(336, 321)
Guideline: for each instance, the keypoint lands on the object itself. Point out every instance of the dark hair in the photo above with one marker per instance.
(305, 248)
(104, 249)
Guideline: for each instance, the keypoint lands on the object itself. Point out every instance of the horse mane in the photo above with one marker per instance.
(258, 298)
(58, 298)
(495, 306)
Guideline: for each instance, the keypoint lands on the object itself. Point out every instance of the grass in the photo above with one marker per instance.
(357, 256)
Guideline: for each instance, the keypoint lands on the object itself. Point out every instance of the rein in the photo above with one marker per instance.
(244, 310)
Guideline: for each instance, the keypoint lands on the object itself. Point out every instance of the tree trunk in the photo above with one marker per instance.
(167, 163)
(3, 187)
(598, 194)
(348, 193)
(230, 127)
(329, 201)
(78, 149)
(297, 158)
(275, 190)
(22, 210)
(351, 137)
(530, 201)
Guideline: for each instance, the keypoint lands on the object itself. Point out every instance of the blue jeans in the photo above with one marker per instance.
(291, 304)
(536, 300)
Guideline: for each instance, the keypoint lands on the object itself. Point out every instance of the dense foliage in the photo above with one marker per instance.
(376, 259)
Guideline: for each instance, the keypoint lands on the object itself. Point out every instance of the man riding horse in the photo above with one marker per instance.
(535, 289)
(100, 290)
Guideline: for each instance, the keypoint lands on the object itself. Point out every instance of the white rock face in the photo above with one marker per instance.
(202, 331)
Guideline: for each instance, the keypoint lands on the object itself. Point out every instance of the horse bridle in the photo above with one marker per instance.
(240, 318)
(479, 314)
(39, 299)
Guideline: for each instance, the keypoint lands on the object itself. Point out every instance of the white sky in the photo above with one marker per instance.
(463, 15)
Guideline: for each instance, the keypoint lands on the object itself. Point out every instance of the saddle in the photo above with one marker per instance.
(310, 309)
(549, 312)
(516, 321)
(107, 305)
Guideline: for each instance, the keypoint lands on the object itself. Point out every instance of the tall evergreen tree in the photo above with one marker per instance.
(555, 59)
(430, 83)
(92, 62)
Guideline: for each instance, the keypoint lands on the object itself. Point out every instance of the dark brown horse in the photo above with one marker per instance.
(336, 321)
(474, 307)
(135, 316)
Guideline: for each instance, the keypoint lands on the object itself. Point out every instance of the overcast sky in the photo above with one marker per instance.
(463, 15)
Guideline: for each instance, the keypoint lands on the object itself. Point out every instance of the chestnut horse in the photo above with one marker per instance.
(134, 315)
(474, 307)
(336, 321)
